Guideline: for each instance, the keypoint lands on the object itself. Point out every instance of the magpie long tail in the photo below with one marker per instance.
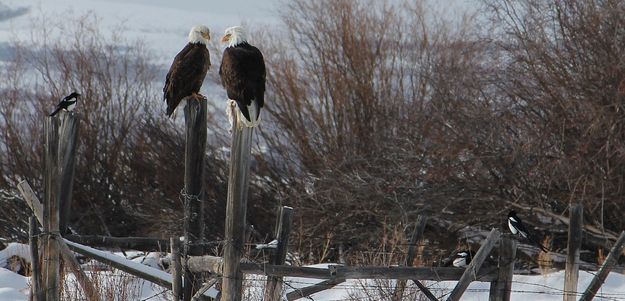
(55, 111)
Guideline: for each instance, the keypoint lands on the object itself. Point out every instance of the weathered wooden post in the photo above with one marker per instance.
(38, 209)
(51, 257)
(471, 270)
(34, 260)
(195, 113)
(273, 289)
(238, 182)
(68, 138)
(571, 273)
(412, 252)
(607, 265)
(176, 268)
(500, 289)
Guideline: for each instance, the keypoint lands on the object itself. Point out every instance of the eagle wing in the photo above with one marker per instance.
(243, 74)
(185, 75)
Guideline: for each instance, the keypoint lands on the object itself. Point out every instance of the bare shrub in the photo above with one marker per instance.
(362, 94)
(378, 109)
(128, 178)
(561, 76)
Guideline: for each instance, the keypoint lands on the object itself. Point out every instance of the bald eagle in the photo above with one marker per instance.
(187, 72)
(242, 73)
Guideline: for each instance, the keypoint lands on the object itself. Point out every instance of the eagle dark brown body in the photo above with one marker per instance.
(187, 72)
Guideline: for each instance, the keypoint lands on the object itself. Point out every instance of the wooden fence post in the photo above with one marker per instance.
(571, 274)
(176, 268)
(471, 271)
(500, 289)
(40, 214)
(412, 251)
(273, 289)
(68, 138)
(34, 260)
(51, 258)
(607, 265)
(195, 113)
(238, 182)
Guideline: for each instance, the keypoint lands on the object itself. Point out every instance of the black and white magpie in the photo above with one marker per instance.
(462, 259)
(516, 227)
(66, 103)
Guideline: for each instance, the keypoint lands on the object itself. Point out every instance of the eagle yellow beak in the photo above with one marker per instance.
(206, 35)
(226, 38)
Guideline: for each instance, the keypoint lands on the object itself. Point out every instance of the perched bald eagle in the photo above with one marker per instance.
(242, 73)
(187, 72)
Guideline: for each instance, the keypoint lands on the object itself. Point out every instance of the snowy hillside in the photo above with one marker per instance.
(163, 25)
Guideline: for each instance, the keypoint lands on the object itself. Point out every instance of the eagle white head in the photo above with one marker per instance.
(234, 36)
(199, 34)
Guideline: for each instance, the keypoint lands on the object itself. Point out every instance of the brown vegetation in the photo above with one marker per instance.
(379, 110)
(374, 112)
(127, 171)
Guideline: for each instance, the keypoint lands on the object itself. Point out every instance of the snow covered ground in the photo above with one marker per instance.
(524, 287)
(536, 288)
(162, 24)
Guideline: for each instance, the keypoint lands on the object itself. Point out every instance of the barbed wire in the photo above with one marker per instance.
(260, 283)
(256, 282)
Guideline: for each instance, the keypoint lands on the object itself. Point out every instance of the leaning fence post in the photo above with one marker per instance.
(607, 265)
(574, 244)
(273, 289)
(238, 182)
(500, 289)
(471, 270)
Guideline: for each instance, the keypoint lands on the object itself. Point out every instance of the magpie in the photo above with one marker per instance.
(516, 227)
(66, 103)
(462, 259)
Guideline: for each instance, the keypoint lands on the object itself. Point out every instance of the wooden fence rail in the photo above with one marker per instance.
(212, 264)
